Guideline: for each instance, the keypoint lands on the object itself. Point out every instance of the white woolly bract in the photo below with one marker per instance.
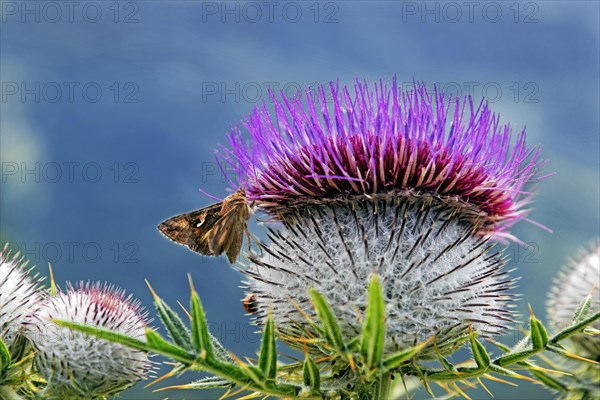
(577, 279)
(437, 276)
(79, 366)
(20, 295)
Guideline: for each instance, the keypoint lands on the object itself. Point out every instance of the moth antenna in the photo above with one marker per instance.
(210, 195)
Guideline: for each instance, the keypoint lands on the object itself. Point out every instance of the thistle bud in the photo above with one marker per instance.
(579, 279)
(20, 295)
(79, 366)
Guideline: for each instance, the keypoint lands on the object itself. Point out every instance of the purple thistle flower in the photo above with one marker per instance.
(381, 141)
(405, 185)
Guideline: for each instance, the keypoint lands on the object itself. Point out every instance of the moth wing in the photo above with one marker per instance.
(189, 229)
(228, 235)
(236, 241)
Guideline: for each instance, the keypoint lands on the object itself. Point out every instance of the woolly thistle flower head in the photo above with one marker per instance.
(78, 366)
(577, 280)
(20, 295)
(407, 185)
(384, 141)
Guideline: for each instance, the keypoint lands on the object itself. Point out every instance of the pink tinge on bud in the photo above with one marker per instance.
(78, 366)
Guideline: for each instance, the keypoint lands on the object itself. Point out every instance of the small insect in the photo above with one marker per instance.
(213, 230)
(249, 303)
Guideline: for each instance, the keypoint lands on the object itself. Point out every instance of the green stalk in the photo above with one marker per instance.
(382, 387)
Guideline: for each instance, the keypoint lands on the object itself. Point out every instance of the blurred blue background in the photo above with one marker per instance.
(110, 112)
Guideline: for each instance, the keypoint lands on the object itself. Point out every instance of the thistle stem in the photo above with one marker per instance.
(7, 393)
(382, 387)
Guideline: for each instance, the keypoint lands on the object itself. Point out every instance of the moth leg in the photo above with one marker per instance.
(249, 238)
(269, 218)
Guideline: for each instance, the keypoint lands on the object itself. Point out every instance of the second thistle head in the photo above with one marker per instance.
(20, 295)
(579, 279)
(78, 366)
(407, 185)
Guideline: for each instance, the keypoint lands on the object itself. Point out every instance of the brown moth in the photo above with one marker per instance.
(212, 230)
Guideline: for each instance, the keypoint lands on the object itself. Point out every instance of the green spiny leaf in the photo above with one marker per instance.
(247, 376)
(220, 351)
(267, 360)
(421, 375)
(583, 310)
(373, 333)
(591, 331)
(105, 334)
(332, 331)
(571, 330)
(539, 336)
(539, 342)
(200, 335)
(255, 374)
(562, 351)
(173, 324)
(353, 345)
(160, 346)
(397, 359)
(447, 365)
(505, 371)
(312, 376)
(460, 373)
(209, 382)
(5, 359)
(514, 357)
(548, 380)
(232, 372)
(504, 348)
(52, 282)
(480, 354)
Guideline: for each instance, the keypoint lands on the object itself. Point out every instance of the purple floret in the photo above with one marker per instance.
(383, 140)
